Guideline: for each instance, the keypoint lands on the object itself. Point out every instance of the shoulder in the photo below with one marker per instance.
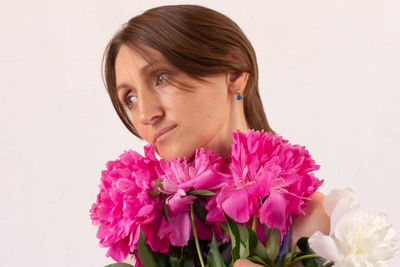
(314, 220)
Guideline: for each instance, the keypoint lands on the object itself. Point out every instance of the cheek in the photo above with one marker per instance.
(200, 110)
(207, 117)
(214, 107)
(142, 130)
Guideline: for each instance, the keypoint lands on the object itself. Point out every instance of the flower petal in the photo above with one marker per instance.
(338, 202)
(276, 210)
(180, 227)
(235, 203)
(325, 246)
(177, 203)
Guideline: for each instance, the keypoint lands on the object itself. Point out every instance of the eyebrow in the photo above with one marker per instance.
(143, 71)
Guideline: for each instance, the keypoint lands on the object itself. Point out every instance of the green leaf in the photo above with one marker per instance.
(161, 259)
(303, 245)
(201, 193)
(200, 212)
(119, 264)
(165, 209)
(243, 233)
(259, 251)
(273, 242)
(257, 259)
(288, 257)
(235, 237)
(253, 239)
(246, 240)
(224, 227)
(188, 262)
(293, 253)
(174, 261)
(214, 256)
(145, 255)
(240, 241)
(251, 242)
(285, 259)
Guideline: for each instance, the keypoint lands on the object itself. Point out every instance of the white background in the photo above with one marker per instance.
(329, 79)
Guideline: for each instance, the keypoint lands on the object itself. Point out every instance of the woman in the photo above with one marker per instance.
(183, 77)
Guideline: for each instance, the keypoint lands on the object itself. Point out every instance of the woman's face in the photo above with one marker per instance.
(176, 120)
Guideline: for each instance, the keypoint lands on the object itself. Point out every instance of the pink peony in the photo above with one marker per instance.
(290, 190)
(125, 204)
(270, 180)
(265, 176)
(181, 176)
(203, 172)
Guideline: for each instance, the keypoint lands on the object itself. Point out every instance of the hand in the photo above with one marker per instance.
(245, 263)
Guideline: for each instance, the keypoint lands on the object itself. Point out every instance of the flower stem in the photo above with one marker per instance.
(310, 256)
(196, 239)
(254, 224)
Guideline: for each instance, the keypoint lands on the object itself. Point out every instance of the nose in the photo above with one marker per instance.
(149, 107)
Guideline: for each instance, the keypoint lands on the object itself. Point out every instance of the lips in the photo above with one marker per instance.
(163, 131)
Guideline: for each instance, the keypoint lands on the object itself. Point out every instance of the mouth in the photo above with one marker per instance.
(163, 133)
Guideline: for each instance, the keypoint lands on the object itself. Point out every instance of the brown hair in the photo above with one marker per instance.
(196, 40)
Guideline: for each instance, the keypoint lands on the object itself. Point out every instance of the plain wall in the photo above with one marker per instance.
(329, 80)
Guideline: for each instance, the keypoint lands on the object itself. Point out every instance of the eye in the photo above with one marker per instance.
(160, 78)
(129, 100)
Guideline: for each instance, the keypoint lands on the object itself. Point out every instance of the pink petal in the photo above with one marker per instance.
(177, 204)
(275, 211)
(119, 251)
(207, 180)
(203, 231)
(180, 227)
(151, 232)
(146, 214)
(215, 215)
(235, 203)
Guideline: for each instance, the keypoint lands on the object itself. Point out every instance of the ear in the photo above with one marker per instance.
(237, 81)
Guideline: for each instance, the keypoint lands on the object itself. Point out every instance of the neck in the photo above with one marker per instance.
(222, 143)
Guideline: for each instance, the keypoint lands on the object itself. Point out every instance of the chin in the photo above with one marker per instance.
(169, 155)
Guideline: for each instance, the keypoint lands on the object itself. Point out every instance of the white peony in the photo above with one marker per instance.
(356, 238)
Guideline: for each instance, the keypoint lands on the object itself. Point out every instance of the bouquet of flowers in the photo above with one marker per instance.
(211, 211)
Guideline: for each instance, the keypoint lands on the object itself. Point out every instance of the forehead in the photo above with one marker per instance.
(136, 63)
(132, 58)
